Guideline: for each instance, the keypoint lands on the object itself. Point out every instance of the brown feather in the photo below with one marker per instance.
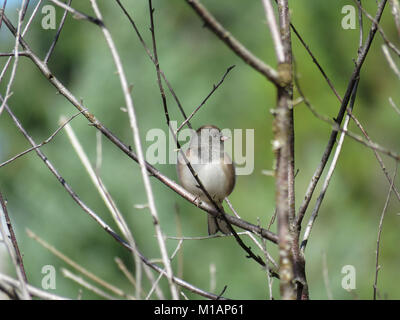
(229, 170)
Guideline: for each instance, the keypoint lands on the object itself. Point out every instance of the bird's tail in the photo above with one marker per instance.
(217, 224)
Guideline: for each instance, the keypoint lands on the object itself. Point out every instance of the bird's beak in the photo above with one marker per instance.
(224, 138)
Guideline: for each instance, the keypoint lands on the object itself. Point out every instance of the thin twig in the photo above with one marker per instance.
(12, 54)
(139, 151)
(53, 44)
(238, 48)
(332, 139)
(9, 291)
(378, 241)
(328, 120)
(32, 290)
(68, 274)
(25, 9)
(77, 14)
(314, 59)
(377, 155)
(179, 234)
(360, 25)
(267, 269)
(390, 61)
(8, 92)
(155, 284)
(252, 237)
(129, 275)
(7, 64)
(2, 12)
(77, 266)
(396, 108)
(215, 87)
(396, 14)
(273, 27)
(375, 22)
(338, 148)
(13, 250)
(44, 142)
(107, 199)
(153, 60)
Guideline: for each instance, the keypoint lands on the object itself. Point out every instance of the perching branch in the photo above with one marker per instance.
(248, 250)
(44, 69)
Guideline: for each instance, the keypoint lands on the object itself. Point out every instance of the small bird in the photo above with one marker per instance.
(214, 168)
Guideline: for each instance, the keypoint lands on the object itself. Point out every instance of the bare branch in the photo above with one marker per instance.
(328, 120)
(53, 44)
(13, 250)
(153, 60)
(68, 274)
(139, 151)
(12, 54)
(25, 9)
(77, 266)
(2, 12)
(375, 147)
(93, 215)
(77, 14)
(16, 56)
(326, 276)
(43, 143)
(332, 139)
(128, 151)
(396, 108)
(314, 59)
(238, 48)
(375, 22)
(329, 175)
(128, 275)
(390, 61)
(396, 14)
(273, 27)
(378, 241)
(32, 290)
(377, 155)
(7, 64)
(215, 87)
(108, 200)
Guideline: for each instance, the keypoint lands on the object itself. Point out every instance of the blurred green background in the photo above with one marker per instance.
(193, 60)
